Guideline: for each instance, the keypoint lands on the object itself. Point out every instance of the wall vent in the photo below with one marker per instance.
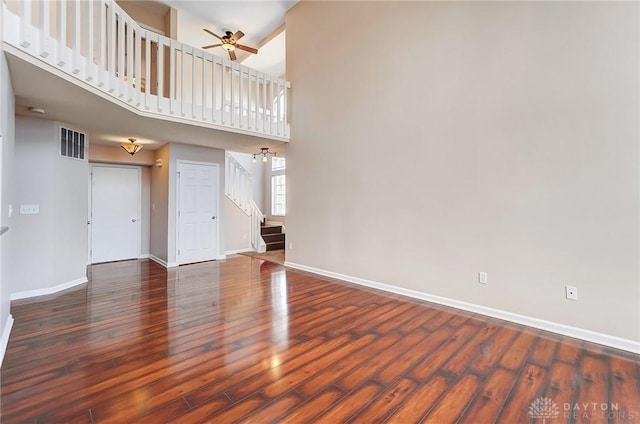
(72, 144)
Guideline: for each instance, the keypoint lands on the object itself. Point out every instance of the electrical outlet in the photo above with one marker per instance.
(572, 293)
(482, 277)
(290, 246)
(29, 209)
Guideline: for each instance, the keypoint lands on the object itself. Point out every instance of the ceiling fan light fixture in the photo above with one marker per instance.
(228, 47)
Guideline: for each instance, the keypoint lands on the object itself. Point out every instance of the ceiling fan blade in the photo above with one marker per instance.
(211, 46)
(238, 35)
(247, 48)
(232, 55)
(209, 32)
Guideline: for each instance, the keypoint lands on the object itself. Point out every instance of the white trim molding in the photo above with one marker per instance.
(554, 327)
(48, 290)
(4, 340)
(236, 251)
(162, 262)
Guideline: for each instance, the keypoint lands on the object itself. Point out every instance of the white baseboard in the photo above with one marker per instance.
(48, 290)
(163, 262)
(4, 340)
(554, 327)
(235, 252)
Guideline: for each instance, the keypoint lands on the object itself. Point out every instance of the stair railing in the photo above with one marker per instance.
(238, 184)
(257, 219)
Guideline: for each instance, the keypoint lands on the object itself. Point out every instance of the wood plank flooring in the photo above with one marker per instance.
(244, 340)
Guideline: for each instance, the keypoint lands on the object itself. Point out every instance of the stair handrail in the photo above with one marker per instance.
(257, 219)
(238, 184)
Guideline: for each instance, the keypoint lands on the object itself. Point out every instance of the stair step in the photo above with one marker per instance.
(273, 238)
(274, 229)
(275, 246)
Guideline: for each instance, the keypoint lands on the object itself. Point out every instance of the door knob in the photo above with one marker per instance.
(213, 217)
(134, 220)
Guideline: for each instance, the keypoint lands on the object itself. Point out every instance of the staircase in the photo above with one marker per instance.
(273, 236)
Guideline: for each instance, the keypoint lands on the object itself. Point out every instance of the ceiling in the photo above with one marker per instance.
(109, 124)
(260, 21)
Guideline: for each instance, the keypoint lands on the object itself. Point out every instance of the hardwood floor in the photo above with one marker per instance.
(244, 340)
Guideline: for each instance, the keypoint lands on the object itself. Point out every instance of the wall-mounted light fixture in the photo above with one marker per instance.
(132, 148)
(264, 151)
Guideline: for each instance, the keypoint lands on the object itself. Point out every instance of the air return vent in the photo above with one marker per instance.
(72, 144)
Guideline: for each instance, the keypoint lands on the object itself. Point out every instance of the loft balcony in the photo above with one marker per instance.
(96, 45)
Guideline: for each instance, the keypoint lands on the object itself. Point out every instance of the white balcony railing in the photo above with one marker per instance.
(97, 43)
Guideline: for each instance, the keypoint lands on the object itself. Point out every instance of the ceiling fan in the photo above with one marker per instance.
(230, 43)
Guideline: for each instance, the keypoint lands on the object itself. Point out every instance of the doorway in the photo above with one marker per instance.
(198, 223)
(114, 213)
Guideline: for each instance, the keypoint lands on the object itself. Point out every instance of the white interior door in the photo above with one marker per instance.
(197, 212)
(115, 213)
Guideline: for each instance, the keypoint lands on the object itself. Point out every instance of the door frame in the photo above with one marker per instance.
(90, 213)
(216, 167)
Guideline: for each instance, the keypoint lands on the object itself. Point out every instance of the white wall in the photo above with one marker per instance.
(237, 227)
(160, 205)
(49, 248)
(7, 130)
(503, 138)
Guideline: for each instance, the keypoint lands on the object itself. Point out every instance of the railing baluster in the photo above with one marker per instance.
(223, 77)
(256, 105)
(102, 42)
(203, 89)
(270, 103)
(182, 72)
(194, 60)
(264, 103)
(172, 80)
(77, 36)
(112, 37)
(138, 66)
(147, 71)
(241, 97)
(213, 89)
(160, 71)
(89, 73)
(25, 22)
(277, 101)
(120, 73)
(129, 62)
(62, 31)
(44, 29)
(232, 93)
(249, 98)
(285, 114)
